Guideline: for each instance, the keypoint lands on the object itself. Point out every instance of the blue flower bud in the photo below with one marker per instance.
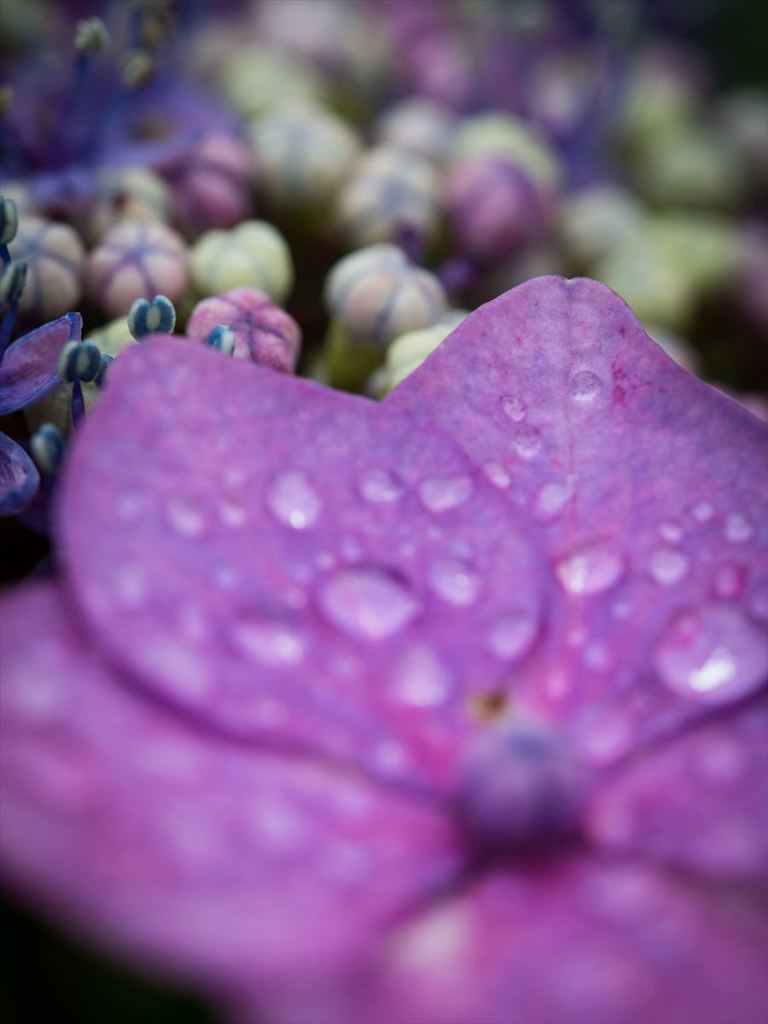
(12, 281)
(223, 339)
(79, 360)
(150, 317)
(47, 447)
(9, 221)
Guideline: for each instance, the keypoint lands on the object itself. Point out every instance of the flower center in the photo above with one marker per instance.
(522, 791)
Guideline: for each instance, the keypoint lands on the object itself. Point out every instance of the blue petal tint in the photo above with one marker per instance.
(30, 368)
(19, 478)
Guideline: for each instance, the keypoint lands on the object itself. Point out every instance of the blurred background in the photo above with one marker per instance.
(494, 140)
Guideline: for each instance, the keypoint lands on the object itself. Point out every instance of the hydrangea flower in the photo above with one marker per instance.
(430, 710)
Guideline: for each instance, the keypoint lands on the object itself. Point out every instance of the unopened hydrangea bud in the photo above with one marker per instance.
(47, 446)
(690, 168)
(408, 352)
(595, 219)
(137, 260)
(79, 361)
(253, 255)
(55, 257)
(302, 154)
(91, 35)
(138, 69)
(506, 137)
(389, 194)
(419, 126)
(212, 185)
(12, 280)
(223, 339)
(255, 79)
(9, 221)
(125, 194)
(376, 294)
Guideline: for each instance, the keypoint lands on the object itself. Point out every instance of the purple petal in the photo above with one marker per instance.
(566, 944)
(647, 492)
(19, 478)
(291, 562)
(165, 843)
(30, 366)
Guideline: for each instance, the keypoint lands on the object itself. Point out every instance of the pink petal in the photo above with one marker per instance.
(286, 561)
(30, 366)
(575, 944)
(193, 855)
(646, 490)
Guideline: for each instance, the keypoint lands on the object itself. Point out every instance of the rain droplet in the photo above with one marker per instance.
(438, 494)
(454, 581)
(496, 473)
(270, 643)
(420, 678)
(667, 566)
(712, 654)
(590, 569)
(185, 519)
(671, 531)
(367, 602)
(585, 386)
(512, 635)
(292, 501)
(380, 487)
(551, 500)
(232, 514)
(703, 511)
(514, 407)
(526, 441)
(738, 529)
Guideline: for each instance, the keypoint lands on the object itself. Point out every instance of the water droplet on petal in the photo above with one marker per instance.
(551, 500)
(380, 487)
(703, 511)
(367, 602)
(454, 581)
(712, 654)
(671, 531)
(667, 566)
(496, 473)
(270, 643)
(438, 494)
(420, 678)
(512, 635)
(738, 529)
(590, 569)
(585, 386)
(526, 441)
(185, 519)
(292, 501)
(514, 407)
(232, 514)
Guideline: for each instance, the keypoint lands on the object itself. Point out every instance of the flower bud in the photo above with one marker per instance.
(55, 259)
(253, 255)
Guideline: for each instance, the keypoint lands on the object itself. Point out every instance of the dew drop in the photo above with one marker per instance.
(512, 635)
(671, 531)
(585, 387)
(232, 514)
(438, 494)
(703, 511)
(292, 501)
(551, 500)
(738, 529)
(420, 678)
(270, 643)
(185, 519)
(498, 476)
(367, 602)
(454, 581)
(380, 487)
(667, 566)
(514, 407)
(712, 654)
(590, 569)
(526, 441)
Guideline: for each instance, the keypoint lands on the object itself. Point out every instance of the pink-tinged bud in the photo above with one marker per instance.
(55, 256)
(212, 186)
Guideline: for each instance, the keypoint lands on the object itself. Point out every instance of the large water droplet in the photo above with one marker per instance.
(526, 440)
(590, 569)
(667, 566)
(292, 501)
(738, 529)
(185, 519)
(671, 531)
(380, 487)
(551, 500)
(703, 511)
(514, 407)
(438, 494)
(585, 387)
(420, 678)
(498, 476)
(454, 581)
(232, 514)
(270, 643)
(712, 654)
(512, 635)
(368, 602)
